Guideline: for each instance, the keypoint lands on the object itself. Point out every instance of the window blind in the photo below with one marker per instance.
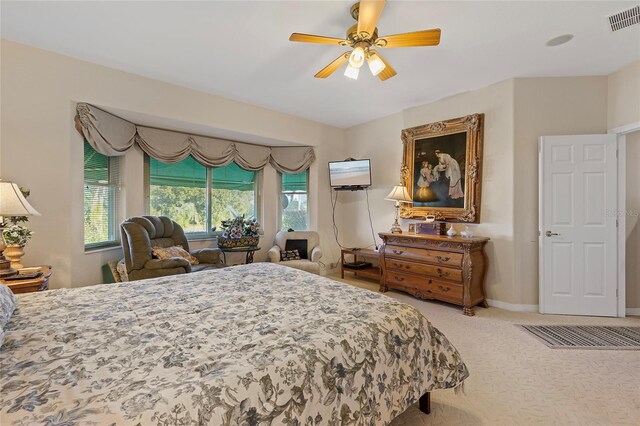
(187, 173)
(101, 197)
(294, 182)
(233, 177)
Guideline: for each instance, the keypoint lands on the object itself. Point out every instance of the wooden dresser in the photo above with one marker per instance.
(450, 269)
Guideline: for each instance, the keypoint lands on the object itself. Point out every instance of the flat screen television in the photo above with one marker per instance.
(350, 174)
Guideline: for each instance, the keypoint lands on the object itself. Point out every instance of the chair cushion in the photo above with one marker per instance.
(303, 265)
(300, 245)
(289, 255)
(175, 251)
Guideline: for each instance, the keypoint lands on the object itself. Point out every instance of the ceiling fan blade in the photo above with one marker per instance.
(310, 38)
(333, 66)
(388, 70)
(414, 39)
(368, 14)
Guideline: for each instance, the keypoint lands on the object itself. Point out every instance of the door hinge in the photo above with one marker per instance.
(616, 153)
(616, 223)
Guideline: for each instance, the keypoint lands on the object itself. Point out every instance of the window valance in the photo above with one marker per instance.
(114, 136)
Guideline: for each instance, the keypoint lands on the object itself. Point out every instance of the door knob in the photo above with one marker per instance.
(550, 234)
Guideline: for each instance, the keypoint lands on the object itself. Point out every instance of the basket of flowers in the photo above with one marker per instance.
(239, 232)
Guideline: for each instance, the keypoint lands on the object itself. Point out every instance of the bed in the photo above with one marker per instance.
(254, 344)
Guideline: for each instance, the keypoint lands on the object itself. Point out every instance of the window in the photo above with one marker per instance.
(233, 193)
(101, 196)
(293, 196)
(179, 191)
(198, 197)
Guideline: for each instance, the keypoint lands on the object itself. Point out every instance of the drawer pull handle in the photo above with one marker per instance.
(443, 259)
(444, 288)
(397, 251)
(399, 265)
(442, 274)
(399, 278)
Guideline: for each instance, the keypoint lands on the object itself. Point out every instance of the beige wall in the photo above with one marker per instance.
(633, 221)
(624, 96)
(380, 141)
(517, 112)
(544, 107)
(41, 149)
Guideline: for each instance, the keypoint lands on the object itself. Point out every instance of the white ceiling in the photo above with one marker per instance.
(240, 50)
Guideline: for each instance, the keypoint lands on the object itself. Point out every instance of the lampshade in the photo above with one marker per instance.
(399, 193)
(13, 203)
(375, 63)
(352, 72)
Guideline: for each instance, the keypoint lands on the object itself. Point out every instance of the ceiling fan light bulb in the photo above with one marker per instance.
(356, 59)
(352, 72)
(375, 64)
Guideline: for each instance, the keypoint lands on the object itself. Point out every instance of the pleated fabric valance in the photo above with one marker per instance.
(113, 136)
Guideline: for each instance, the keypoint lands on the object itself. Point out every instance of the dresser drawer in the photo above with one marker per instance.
(424, 287)
(425, 255)
(406, 280)
(444, 290)
(423, 269)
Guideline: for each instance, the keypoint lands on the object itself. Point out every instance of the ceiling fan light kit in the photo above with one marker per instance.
(362, 36)
(351, 72)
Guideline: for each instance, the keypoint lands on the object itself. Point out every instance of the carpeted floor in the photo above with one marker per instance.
(517, 380)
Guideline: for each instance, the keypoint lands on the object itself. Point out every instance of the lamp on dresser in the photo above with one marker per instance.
(12, 203)
(399, 194)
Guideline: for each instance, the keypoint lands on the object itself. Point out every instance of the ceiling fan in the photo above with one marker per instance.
(363, 37)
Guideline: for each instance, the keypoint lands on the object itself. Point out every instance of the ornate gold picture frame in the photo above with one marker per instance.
(442, 169)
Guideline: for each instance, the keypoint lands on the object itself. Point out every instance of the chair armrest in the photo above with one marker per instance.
(274, 254)
(210, 256)
(172, 262)
(316, 254)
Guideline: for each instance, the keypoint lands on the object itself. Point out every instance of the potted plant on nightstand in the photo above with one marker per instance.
(239, 232)
(16, 236)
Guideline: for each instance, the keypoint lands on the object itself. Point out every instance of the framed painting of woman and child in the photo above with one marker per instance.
(442, 169)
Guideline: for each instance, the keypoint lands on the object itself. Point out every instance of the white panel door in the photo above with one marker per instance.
(578, 252)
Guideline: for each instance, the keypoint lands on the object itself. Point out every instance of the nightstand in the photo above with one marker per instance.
(40, 283)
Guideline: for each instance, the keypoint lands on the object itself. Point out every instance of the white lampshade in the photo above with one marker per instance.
(375, 63)
(399, 193)
(13, 203)
(356, 59)
(352, 72)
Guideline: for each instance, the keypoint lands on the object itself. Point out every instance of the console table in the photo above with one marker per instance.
(370, 272)
(450, 269)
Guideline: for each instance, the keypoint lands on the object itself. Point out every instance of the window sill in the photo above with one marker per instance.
(102, 249)
(203, 238)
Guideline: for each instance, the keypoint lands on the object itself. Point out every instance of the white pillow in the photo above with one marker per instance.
(8, 304)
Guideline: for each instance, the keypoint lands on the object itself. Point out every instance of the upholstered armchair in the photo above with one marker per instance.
(289, 240)
(140, 234)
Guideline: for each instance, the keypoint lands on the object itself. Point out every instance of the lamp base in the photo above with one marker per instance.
(5, 268)
(395, 228)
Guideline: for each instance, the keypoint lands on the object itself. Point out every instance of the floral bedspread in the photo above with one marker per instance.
(256, 344)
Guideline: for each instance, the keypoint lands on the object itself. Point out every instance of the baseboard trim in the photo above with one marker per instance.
(535, 308)
(512, 306)
(632, 311)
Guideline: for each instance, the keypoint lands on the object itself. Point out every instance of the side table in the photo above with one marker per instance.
(248, 250)
(30, 285)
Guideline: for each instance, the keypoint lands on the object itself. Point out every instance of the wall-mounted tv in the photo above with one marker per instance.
(350, 174)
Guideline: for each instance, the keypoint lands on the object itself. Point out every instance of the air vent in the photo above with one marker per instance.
(625, 19)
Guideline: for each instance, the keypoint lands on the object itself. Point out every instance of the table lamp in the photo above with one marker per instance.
(12, 203)
(399, 194)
